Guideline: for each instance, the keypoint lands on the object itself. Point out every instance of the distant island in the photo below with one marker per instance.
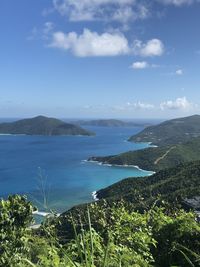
(170, 132)
(179, 142)
(42, 125)
(111, 123)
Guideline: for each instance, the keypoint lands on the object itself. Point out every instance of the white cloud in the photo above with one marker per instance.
(103, 10)
(91, 43)
(106, 44)
(176, 2)
(179, 103)
(140, 65)
(139, 105)
(179, 72)
(153, 47)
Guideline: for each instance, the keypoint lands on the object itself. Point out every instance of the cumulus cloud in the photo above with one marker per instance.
(91, 43)
(102, 10)
(140, 65)
(106, 44)
(179, 72)
(179, 103)
(153, 47)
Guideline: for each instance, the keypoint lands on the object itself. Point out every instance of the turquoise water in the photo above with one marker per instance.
(66, 179)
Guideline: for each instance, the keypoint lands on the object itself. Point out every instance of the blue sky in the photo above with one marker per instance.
(100, 58)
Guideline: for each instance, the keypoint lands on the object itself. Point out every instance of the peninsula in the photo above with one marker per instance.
(178, 140)
(170, 132)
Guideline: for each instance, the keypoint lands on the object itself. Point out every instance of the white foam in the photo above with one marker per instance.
(41, 213)
(44, 214)
(120, 166)
(94, 195)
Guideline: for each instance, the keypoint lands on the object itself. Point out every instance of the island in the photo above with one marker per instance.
(112, 123)
(170, 132)
(42, 125)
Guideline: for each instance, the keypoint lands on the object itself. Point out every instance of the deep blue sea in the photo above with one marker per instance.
(55, 167)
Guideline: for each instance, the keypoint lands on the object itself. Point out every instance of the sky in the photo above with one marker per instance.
(100, 58)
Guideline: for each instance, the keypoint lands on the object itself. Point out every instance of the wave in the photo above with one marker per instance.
(120, 166)
(94, 195)
(44, 214)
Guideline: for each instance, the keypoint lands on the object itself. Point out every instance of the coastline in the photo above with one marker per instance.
(117, 165)
(94, 193)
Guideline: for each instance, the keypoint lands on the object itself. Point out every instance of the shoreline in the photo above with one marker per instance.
(149, 144)
(117, 165)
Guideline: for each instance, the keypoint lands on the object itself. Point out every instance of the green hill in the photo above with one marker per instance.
(170, 132)
(156, 158)
(169, 189)
(175, 185)
(41, 125)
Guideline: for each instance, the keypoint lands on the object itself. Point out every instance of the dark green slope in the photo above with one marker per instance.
(170, 132)
(41, 125)
(174, 185)
(156, 158)
(172, 188)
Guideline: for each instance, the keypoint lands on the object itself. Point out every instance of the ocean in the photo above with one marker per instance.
(52, 171)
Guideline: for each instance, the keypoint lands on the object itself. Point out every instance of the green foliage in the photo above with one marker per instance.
(172, 185)
(173, 233)
(15, 217)
(101, 236)
(135, 239)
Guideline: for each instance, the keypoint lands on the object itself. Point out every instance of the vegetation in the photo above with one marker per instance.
(156, 158)
(173, 185)
(170, 132)
(103, 236)
(42, 126)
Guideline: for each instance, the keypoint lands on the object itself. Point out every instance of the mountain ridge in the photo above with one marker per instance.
(170, 132)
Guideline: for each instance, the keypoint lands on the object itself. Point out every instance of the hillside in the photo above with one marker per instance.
(156, 158)
(41, 125)
(112, 123)
(167, 191)
(170, 132)
(178, 184)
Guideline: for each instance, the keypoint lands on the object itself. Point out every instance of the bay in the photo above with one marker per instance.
(52, 171)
